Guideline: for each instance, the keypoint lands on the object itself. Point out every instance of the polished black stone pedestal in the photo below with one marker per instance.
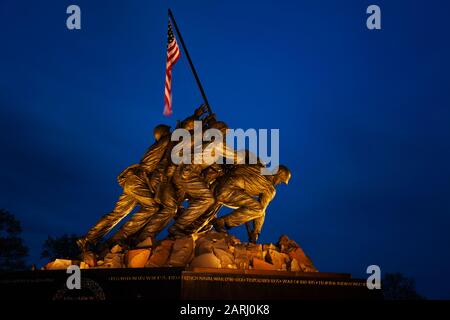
(175, 284)
(214, 284)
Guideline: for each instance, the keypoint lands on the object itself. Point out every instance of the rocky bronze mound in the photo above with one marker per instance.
(208, 250)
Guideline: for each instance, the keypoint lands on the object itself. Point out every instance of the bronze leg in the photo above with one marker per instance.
(200, 199)
(138, 188)
(135, 192)
(136, 223)
(248, 207)
(161, 219)
(123, 207)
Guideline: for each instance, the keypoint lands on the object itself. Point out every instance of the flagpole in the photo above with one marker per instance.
(197, 79)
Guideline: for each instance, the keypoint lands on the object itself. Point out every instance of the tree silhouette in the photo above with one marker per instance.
(64, 247)
(12, 249)
(396, 286)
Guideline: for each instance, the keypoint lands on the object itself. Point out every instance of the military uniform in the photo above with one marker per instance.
(169, 199)
(167, 194)
(239, 190)
(211, 176)
(188, 178)
(136, 191)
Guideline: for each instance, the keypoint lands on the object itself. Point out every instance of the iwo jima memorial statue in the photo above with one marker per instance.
(182, 187)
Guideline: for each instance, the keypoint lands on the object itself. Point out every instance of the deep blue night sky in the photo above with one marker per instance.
(363, 117)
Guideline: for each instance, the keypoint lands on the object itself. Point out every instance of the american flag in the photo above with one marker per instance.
(173, 54)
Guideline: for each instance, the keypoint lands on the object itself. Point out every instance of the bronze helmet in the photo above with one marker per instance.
(160, 131)
(283, 174)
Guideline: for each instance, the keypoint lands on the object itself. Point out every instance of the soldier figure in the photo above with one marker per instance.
(189, 178)
(167, 193)
(159, 186)
(140, 182)
(238, 190)
(136, 191)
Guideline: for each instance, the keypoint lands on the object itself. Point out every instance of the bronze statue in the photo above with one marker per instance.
(136, 191)
(159, 187)
(189, 178)
(238, 190)
(167, 192)
(170, 200)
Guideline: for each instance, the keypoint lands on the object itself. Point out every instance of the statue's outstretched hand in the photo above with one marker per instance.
(201, 110)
